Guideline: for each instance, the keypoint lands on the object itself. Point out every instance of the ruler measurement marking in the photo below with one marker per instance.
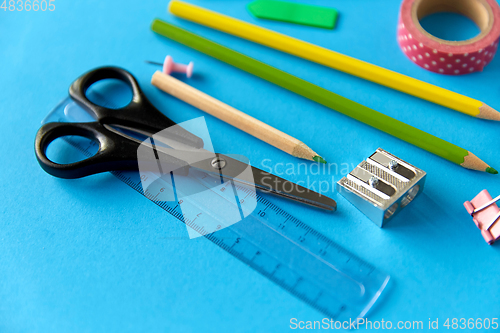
(275, 269)
(255, 255)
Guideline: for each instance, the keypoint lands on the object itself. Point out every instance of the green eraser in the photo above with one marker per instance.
(316, 16)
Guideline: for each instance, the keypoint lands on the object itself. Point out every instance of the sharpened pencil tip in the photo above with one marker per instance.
(487, 112)
(319, 159)
(491, 170)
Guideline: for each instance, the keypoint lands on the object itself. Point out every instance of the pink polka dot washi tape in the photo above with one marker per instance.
(449, 57)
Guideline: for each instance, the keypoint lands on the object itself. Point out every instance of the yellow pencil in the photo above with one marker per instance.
(334, 60)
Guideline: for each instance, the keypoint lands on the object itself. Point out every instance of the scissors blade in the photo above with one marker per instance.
(230, 169)
(268, 182)
(226, 168)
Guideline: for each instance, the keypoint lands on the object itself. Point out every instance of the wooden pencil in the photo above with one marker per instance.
(325, 97)
(234, 117)
(332, 59)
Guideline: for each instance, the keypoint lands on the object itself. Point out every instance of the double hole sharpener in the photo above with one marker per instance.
(382, 185)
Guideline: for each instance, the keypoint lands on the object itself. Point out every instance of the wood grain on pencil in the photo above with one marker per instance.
(473, 162)
(233, 117)
(487, 112)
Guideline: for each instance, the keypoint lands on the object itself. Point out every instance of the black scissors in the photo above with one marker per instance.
(118, 151)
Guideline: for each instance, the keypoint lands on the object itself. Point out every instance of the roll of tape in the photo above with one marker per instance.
(449, 57)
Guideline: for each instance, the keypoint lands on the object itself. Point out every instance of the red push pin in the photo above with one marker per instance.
(169, 66)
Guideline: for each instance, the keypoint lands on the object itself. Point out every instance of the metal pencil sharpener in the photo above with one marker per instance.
(382, 185)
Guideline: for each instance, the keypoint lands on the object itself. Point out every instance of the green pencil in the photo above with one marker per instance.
(325, 97)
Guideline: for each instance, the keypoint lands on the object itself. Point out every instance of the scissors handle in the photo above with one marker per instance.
(115, 152)
(139, 114)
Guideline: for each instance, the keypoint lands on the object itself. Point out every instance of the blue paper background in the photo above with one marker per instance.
(91, 255)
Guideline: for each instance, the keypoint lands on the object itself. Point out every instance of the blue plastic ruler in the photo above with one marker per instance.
(283, 249)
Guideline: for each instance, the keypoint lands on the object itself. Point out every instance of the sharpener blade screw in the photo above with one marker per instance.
(393, 164)
(373, 181)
